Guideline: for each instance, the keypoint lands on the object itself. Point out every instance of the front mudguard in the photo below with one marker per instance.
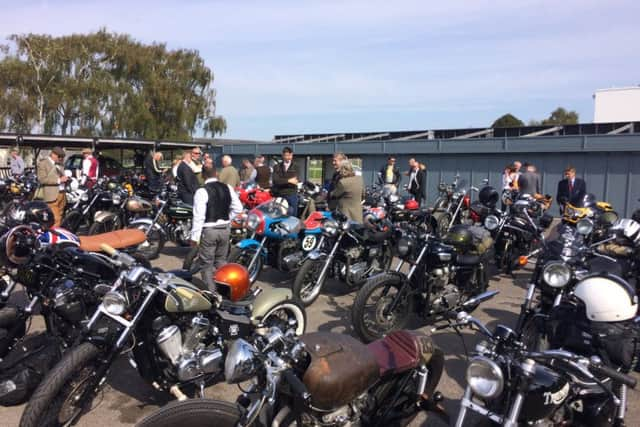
(251, 244)
(267, 300)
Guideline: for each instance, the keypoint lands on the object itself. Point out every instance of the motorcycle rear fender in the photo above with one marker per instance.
(266, 300)
(104, 216)
(148, 221)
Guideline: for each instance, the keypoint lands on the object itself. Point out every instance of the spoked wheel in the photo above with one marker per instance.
(442, 222)
(244, 257)
(307, 286)
(284, 314)
(371, 315)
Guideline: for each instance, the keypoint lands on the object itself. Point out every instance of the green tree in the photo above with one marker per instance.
(560, 116)
(507, 121)
(105, 84)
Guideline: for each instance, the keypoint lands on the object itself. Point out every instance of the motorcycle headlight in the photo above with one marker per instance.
(556, 274)
(485, 377)
(491, 222)
(253, 221)
(331, 228)
(241, 363)
(584, 226)
(84, 197)
(114, 303)
(403, 247)
(116, 199)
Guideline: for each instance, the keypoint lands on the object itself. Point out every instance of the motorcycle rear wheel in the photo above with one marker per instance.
(150, 248)
(307, 287)
(243, 257)
(194, 413)
(373, 298)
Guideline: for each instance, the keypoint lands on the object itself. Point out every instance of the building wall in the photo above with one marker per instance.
(610, 164)
(617, 105)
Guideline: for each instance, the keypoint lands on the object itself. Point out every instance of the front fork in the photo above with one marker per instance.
(257, 254)
(329, 260)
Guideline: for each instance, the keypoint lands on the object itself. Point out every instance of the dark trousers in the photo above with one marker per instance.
(213, 251)
(292, 199)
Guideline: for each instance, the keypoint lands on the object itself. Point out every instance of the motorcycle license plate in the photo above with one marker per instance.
(309, 242)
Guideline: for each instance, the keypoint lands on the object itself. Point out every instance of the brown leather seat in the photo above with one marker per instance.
(397, 352)
(118, 239)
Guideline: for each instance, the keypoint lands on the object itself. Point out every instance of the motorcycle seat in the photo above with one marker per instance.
(118, 239)
(397, 352)
(468, 259)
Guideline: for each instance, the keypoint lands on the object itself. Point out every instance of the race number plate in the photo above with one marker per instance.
(309, 242)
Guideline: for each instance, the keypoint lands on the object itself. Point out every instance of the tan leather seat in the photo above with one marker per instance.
(118, 239)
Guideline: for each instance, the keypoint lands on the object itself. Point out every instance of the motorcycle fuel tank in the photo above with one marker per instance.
(180, 210)
(185, 298)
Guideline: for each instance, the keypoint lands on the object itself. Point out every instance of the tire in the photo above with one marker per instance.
(280, 314)
(243, 257)
(532, 337)
(194, 413)
(442, 223)
(45, 405)
(377, 327)
(72, 221)
(150, 249)
(99, 228)
(306, 288)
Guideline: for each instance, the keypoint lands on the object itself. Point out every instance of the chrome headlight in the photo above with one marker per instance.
(485, 377)
(84, 197)
(114, 303)
(584, 226)
(241, 363)
(253, 221)
(331, 228)
(116, 199)
(556, 274)
(491, 222)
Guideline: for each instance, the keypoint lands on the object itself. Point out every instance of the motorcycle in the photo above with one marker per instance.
(320, 379)
(511, 386)
(443, 274)
(349, 251)
(251, 196)
(275, 240)
(124, 208)
(453, 206)
(175, 334)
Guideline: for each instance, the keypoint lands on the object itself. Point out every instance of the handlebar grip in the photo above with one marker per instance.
(297, 386)
(615, 375)
(108, 249)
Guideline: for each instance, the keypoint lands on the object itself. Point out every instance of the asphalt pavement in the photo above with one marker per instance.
(127, 398)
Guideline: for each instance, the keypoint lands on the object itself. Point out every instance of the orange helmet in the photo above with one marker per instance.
(232, 281)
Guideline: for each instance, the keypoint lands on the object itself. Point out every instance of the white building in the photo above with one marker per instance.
(617, 105)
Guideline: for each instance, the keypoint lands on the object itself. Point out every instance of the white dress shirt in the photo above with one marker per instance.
(86, 167)
(200, 200)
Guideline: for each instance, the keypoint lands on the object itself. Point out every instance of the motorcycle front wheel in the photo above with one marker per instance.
(194, 413)
(372, 301)
(54, 401)
(243, 256)
(150, 248)
(307, 285)
(282, 315)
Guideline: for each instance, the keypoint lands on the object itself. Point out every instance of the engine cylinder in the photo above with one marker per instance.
(170, 342)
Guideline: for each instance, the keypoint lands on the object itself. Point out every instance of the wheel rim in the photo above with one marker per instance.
(281, 315)
(311, 283)
(374, 320)
(68, 411)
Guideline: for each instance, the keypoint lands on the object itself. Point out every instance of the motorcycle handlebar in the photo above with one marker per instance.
(614, 375)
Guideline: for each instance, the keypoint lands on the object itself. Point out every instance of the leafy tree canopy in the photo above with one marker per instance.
(105, 84)
(507, 121)
(559, 116)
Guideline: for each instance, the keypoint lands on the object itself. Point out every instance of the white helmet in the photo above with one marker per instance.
(281, 205)
(607, 298)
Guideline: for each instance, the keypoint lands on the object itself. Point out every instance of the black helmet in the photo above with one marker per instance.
(16, 245)
(587, 201)
(459, 236)
(636, 215)
(488, 196)
(38, 212)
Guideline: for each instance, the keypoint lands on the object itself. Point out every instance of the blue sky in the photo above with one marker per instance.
(289, 67)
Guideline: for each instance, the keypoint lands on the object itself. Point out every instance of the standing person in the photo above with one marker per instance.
(517, 171)
(229, 173)
(196, 163)
(285, 181)
(16, 163)
(508, 177)
(247, 173)
(337, 160)
(347, 195)
(90, 168)
(390, 174)
(152, 170)
(52, 180)
(214, 204)
(416, 180)
(263, 173)
(571, 189)
(529, 180)
(187, 180)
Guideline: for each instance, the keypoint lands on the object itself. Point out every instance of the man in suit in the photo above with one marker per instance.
(529, 181)
(152, 170)
(187, 180)
(416, 180)
(229, 174)
(571, 189)
(52, 180)
(285, 181)
(347, 194)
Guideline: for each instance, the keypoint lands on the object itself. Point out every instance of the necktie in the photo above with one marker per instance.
(570, 187)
